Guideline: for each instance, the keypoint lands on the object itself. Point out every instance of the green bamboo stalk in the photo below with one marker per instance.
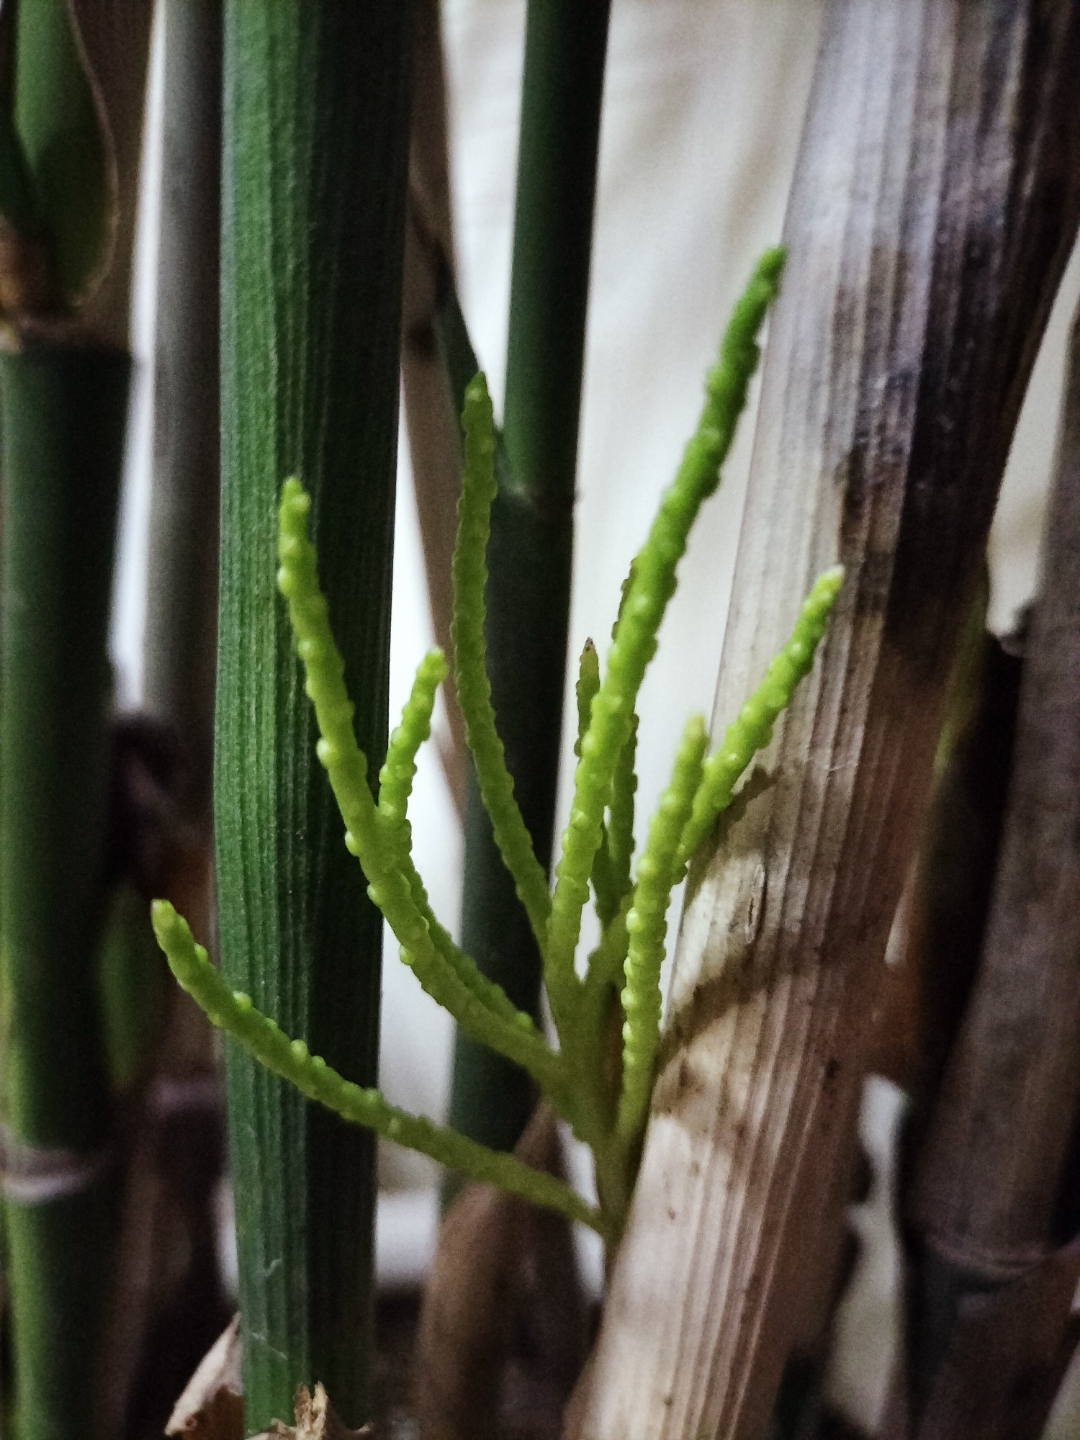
(62, 416)
(529, 560)
(63, 406)
(315, 147)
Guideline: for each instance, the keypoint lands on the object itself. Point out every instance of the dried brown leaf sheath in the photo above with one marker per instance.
(212, 1405)
(315, 1420)
(490, 1247)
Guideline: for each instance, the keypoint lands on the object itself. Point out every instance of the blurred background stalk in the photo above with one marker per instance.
(181, 613)
(62, 417)
(168, 1304)
(531, 549)
(993, 1191)
(316, 119)
(64, 373)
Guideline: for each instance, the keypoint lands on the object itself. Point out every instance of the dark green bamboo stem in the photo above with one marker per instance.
(531, 550)
(62, 416)
(63, 407)
(315, 148)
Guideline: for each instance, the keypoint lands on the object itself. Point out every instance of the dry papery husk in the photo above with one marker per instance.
(212, 1405)
(315, 1420)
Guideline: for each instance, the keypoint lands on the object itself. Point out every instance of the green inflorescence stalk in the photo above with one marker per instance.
(646, 926)
(622, 982)
(619, 832)
(478, 489)
(651, 587)
(399, 768)
(588, 683)
(234, 1013)
(606, 887)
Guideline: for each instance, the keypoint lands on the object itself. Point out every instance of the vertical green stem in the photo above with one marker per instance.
(62, 416)
(63, 407)
(531, 548)
(315, 149)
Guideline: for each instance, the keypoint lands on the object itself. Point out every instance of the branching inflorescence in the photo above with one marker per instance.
(622, 982)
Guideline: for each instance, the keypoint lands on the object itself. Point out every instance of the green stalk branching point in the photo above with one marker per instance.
(233, 1012)
(607, 1112)
(478, 488)
(651, 586)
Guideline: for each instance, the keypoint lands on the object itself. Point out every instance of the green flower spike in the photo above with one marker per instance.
(399, 769)
(619, 837)
(588, 683)
(651, 586)
(610, 878)
(646, 926)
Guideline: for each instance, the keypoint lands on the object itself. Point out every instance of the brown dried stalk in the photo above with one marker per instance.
(988, 1178)
(935, 202)
(498, 1258)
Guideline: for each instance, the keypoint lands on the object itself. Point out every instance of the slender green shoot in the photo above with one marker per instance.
(588, 683)
(619, 835)
(752, 729)
(606, 891)
(233, 1012)
(646, 925)
(651, 586)
(399, 768)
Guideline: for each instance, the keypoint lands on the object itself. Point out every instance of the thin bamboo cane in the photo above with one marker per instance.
(316, 143)
(936, 198)
(531, 548)
(181, 610)
(159, 1330)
